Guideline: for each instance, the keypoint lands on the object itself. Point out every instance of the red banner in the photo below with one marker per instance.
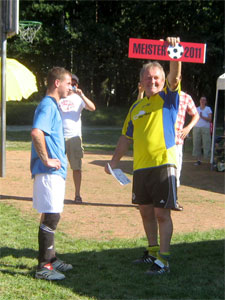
(160, 50)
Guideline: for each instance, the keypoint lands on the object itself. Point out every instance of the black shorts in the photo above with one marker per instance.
(156, 186)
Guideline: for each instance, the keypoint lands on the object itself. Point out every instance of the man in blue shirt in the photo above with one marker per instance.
(48, 168)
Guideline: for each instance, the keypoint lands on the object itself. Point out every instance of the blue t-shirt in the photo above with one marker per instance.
(47, 118)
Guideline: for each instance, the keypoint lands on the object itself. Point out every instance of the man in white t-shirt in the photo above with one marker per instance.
(70, 110)
(201, 132)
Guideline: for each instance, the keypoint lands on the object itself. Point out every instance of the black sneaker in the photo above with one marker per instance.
(146, 258)
(158, 268)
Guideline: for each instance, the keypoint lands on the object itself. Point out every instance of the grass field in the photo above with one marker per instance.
(103, 270)
(94, 138)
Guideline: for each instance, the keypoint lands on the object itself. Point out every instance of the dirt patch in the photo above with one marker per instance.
(107, 212)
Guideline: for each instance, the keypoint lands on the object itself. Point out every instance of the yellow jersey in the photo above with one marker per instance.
(150, 123)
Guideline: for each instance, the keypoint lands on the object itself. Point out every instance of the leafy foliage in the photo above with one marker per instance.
(91, 38)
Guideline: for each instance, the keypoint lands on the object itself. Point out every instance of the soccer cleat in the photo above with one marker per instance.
(197, 163)
(49, 273)
(61, 266)
(158, 268)
(146, 258)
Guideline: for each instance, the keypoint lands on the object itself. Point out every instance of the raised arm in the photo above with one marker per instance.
(174, 75)
(89, 105)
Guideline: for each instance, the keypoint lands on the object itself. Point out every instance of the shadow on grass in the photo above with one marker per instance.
(8, 197)
(67, 201)
(200, 177)
(7, 268)
(196, 272)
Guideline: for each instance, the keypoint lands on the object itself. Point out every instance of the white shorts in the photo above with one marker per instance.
(179, 155)
(48, 193)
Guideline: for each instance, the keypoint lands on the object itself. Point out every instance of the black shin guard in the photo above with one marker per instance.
(46, 238)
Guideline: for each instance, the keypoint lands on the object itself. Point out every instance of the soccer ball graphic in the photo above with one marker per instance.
(175, 52)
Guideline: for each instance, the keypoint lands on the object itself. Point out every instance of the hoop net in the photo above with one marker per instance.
(28, 30)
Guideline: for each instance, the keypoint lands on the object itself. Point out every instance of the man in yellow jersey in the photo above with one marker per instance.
(150, 126)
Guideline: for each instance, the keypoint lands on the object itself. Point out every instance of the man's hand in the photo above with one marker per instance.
(89, 105)
(53, 163)
(184, 132)
(112, 165)
(107, 169)
(173, 41)
(79, 92)
(140, 91)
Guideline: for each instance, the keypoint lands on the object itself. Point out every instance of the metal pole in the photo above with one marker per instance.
(214, 130)
(3, 89)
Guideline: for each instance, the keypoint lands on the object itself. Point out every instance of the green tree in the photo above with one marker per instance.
(91, 38)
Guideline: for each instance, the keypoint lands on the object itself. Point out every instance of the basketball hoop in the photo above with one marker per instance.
(28, 30)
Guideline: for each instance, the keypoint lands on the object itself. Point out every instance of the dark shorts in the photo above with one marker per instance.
(156, 186)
